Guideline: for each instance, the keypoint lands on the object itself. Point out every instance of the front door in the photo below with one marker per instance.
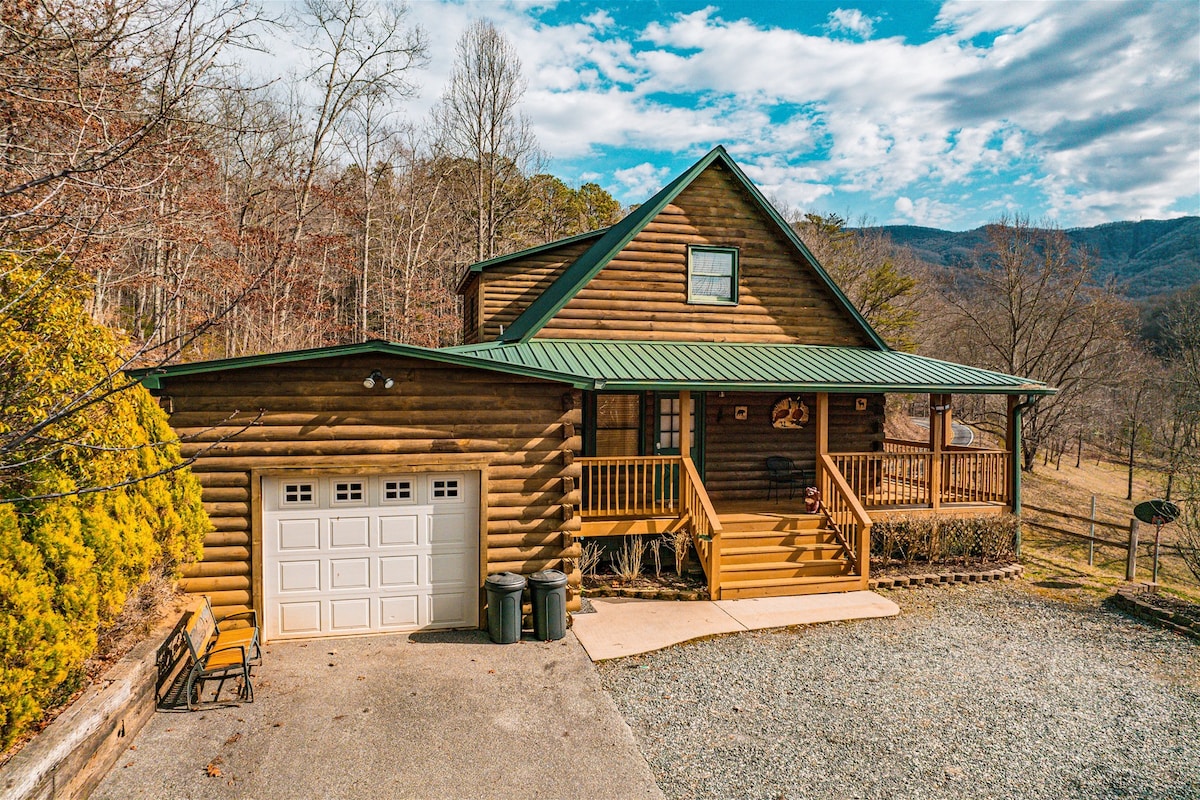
(667, 424)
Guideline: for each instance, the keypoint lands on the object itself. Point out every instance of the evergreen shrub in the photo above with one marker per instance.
(69, 560)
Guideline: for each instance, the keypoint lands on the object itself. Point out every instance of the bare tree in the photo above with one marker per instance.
(881, 280)
(1028, 307)
(480, 123)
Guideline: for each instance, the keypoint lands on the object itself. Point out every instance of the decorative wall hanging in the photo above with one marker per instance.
(740, 412)
(789, 412)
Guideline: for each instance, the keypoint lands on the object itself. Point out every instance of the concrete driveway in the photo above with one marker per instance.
(431, 715)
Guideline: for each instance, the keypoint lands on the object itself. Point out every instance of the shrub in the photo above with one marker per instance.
(91, 504)
(937, 539)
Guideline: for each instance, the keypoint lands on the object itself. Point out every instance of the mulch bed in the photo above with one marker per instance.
(667, 586)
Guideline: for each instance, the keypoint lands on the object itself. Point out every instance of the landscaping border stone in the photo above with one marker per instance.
(72, 755)
(936, 579)
(1128, 599)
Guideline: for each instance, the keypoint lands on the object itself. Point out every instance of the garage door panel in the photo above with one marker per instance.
(350, 573)
(300, 619)
(447, 568)
(348, 615)
(399, 572)
(400, 612)
(299, 576)
(349, 532)
(298, 534)
(448, 608)
(448, 529)
(353, 555)
(398, 531)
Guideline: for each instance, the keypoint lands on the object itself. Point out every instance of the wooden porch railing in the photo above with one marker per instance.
(846, 516)
(655, 486)
(903, 477)
(630, 486)
(703, 523)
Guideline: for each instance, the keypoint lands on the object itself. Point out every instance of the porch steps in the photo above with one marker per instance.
(770, 554)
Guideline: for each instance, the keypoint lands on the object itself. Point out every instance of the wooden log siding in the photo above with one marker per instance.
(642, 292)
(507, 289)
(318, 416)
(736, 450)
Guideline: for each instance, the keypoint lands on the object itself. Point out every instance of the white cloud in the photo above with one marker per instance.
(1095, 103)
(852, 21)
(924, 211)
(643, 180)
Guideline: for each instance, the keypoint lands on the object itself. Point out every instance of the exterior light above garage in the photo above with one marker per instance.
(377, 377)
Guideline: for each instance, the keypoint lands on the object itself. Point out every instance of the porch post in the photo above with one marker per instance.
(1014, 448)
(822, 432)
(937, 439)
(685, 428)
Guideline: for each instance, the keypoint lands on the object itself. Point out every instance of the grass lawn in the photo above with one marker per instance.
(1054, 558)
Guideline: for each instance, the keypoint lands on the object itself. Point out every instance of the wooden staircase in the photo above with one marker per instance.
(777, 554)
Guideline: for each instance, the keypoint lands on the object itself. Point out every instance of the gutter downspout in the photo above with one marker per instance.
(1030, 401)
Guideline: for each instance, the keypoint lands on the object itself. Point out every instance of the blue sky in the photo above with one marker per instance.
(947, 115)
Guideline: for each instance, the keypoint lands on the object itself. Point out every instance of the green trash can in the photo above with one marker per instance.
(504, 606)
(549, 588)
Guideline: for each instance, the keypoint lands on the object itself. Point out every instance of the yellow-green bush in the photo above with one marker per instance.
(69, 560)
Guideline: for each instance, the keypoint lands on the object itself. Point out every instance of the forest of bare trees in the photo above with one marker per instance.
(218, 217)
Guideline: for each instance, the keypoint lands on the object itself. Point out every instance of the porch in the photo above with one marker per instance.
(762, 547)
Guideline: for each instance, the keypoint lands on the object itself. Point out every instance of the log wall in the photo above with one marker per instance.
(507, 289)
(736, 450)
(317, 415)
(642, 292)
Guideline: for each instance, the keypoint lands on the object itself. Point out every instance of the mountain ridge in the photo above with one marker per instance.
(1144, 257)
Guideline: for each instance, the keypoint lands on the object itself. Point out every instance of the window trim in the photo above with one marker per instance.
(707, 300)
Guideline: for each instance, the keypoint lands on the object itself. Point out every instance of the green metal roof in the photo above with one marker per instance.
(480, 266)
(718, 366)
(152, 377)
(667, 366)
(614, 240)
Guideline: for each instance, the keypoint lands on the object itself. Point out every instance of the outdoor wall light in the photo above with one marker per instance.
(377, 377)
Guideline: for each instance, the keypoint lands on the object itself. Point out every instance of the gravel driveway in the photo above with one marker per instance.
(981, 692)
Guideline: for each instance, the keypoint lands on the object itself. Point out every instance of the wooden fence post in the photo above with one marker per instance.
(1092, 533)
(1131, 564)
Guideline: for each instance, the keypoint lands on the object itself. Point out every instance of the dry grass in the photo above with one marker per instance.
(1070, 489)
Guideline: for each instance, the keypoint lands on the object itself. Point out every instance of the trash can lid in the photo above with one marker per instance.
(549, 578)
(505, 580)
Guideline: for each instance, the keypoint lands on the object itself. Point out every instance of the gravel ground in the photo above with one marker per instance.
(973, 691)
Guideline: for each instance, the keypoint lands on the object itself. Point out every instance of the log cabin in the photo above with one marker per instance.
(631, 380)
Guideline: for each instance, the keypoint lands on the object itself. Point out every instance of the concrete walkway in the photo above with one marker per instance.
(625, 627)
(429, 715)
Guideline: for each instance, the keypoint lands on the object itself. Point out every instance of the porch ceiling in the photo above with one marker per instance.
(726, 366)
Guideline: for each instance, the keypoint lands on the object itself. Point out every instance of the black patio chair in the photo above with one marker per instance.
(782, 472)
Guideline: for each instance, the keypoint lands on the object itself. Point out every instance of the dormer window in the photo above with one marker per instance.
(713, 275)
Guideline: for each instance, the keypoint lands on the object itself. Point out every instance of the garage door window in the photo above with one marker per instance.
(348, 492)
(397, 491)
(446, 489)
(299, 494)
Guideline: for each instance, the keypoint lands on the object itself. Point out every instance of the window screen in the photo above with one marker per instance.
(712, 275)
(618, 424)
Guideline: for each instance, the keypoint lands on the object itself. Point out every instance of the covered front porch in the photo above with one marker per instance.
(755, 539)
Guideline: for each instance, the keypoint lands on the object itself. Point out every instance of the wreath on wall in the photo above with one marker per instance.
(789, 412)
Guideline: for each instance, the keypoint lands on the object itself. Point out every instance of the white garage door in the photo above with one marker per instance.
(354, 555)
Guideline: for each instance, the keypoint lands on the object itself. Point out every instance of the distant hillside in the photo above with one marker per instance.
(1146, 258)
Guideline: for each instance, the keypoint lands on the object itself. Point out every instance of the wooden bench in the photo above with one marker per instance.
(220, 652)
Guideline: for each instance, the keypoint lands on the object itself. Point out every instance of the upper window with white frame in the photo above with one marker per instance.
(713, 275)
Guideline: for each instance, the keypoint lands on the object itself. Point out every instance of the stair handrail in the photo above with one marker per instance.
(836, 489)
(703, 522)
